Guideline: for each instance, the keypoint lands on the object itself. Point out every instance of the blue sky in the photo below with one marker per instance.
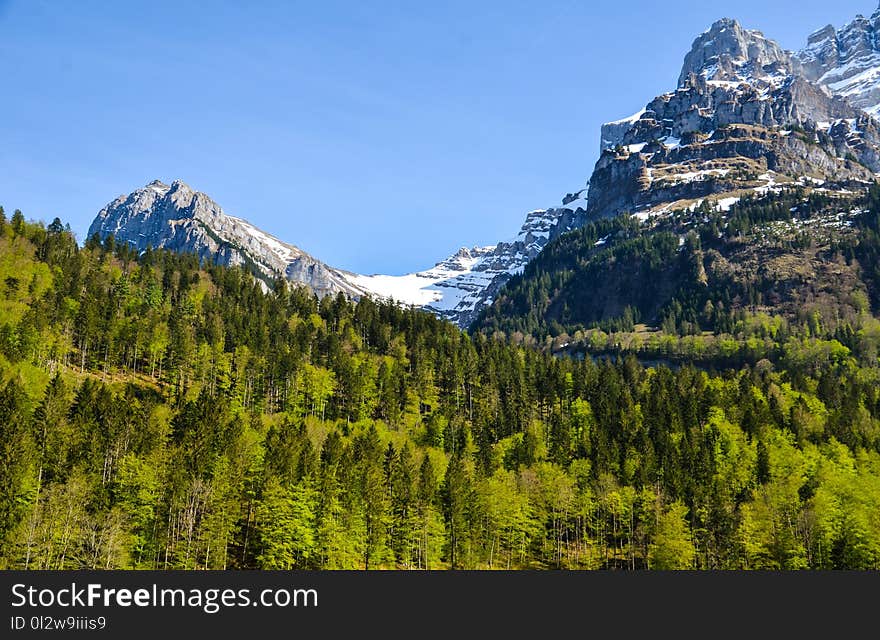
(377, 136)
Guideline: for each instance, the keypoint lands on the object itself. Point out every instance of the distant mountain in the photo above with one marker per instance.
(178, 218)
(459, 287)
(846, 61)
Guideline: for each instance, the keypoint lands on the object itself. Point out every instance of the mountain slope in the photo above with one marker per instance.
(159, 416)
(459, 287)
(790, 255)
(741, 192)
(178, 218)
(846, 61)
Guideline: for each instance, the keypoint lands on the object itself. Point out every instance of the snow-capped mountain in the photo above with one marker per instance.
(746, 117)
(742, 120)
(458, 287)
(846, 61)
(178, 218)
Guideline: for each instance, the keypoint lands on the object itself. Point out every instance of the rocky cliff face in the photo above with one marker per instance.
(846, 61)
(459, 287)
(727, 52)
(177, 218)
(743, 119)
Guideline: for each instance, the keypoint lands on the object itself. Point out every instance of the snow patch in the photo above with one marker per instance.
(629, 119)
(726, 203)
(697, 176)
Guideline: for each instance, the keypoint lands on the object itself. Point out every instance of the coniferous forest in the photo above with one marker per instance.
(156, 413)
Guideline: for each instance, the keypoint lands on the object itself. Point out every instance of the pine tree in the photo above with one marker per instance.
(16, 460)
(17, 222)
(457, 495)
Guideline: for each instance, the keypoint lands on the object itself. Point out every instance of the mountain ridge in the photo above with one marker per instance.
(178, 218)
(746, 118)
(846, 60)
(742, 119)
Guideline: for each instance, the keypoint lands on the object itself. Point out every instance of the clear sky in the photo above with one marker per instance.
(378, 136)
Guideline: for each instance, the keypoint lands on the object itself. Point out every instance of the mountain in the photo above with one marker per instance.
(460, 286)
(746, 118)
(846, 61)
(742, 120)
(178, 218)
(741, 192)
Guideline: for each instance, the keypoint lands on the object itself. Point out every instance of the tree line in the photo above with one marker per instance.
(160, 413)
(704, 270)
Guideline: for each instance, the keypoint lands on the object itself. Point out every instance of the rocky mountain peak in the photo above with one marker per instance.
(826, 33)
(179, 218)
(743, 119)
(727, 51)
(846, 61)
(183, 196)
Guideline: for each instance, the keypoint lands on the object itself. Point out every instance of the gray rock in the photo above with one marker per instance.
(726, 51)
(846, 61)
(774, 119)
(180, 219)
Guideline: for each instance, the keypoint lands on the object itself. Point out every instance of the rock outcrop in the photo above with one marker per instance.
(727, 52)
(846, 61)
(177, 218)
(743, 118)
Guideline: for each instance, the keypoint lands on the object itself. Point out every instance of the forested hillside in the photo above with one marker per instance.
(737, 286)
(155, 413)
